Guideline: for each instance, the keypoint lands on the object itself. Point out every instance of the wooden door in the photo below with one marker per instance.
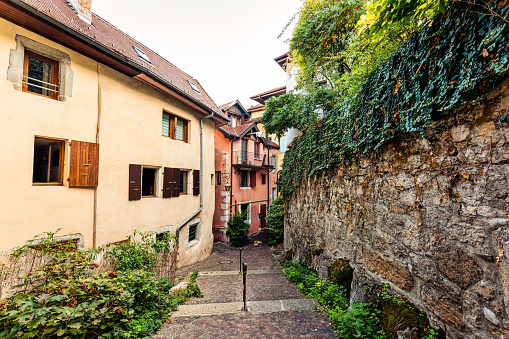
(263, 214)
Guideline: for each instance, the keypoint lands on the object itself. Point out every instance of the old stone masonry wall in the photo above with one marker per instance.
(427, 215)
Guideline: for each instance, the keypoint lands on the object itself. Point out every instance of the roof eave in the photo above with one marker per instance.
(123, 64)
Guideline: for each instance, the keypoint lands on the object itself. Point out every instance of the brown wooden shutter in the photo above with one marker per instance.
(252, 180)
(176, 182)
(134, 182)
(196, 182)
(168, 182)
(84, 165)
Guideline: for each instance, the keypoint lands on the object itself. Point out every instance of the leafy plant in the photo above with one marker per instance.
(276, 220)
(139, 252)
(238, 229)
(358, 321)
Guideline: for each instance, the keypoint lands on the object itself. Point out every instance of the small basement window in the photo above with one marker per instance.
(192, 232)
(40, 75)
(194, 87)
(264, 178)
(142, 54)
(48, 161)
(148, 182)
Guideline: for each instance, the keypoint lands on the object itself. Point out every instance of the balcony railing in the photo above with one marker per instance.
(249, 159)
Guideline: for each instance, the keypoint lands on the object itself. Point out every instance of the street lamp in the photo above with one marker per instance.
(226, 177)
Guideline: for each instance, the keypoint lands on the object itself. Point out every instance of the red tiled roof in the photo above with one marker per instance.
(110, 37)
(270, 143)
(253, 120)
(238, 130)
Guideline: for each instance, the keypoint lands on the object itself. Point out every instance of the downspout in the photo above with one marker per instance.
(201, 179)
(231, 176)
(268, 184)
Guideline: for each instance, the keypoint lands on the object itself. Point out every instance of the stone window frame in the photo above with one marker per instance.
(61, 239)
(17, 58)
(197, 240)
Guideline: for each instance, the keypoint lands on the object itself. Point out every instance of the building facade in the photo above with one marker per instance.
(245, 171)
(105, 136)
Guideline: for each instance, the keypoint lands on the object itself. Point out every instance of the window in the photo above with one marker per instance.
(257, 150)
(274, 193)
(264, 178)
(245, 208)
(48, 161)
(183, 182)
(142, 54)
(40, 75)
(163, 236)
(194, 87)
(148, 182)
(175, 127)
(192, 232)
(218, 178)
(234, 122)
(244, 179)
(244, 151)
(273, 160)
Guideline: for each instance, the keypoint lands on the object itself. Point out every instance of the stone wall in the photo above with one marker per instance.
(427, 215)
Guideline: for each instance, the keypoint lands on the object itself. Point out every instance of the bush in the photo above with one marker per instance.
(359, 321)
(67, 299)
(276, 220)
(238, 230)
(139, 254)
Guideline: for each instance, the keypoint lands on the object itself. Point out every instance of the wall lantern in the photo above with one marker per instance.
(227, 185)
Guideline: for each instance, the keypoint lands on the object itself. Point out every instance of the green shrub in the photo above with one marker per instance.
(238, 230)
(67, 299)
(359, 321)
(139, 252)
(276, 221)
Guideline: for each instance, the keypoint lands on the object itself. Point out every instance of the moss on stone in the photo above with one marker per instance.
(341, 274)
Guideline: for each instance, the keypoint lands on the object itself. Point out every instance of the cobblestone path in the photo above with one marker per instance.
(276, 307)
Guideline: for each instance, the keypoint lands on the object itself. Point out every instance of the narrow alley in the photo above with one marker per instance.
(276, 307)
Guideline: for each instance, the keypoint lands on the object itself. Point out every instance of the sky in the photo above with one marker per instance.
(228, 45)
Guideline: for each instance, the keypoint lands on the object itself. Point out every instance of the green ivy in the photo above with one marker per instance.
(455, 60)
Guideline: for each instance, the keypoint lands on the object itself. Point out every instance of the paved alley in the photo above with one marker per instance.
(276, 307)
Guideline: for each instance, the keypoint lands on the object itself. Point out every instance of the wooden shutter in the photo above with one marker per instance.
(168, 182)
(134, 182)
(84, 165)
(196, 182)
(252, 180)
(176, 182)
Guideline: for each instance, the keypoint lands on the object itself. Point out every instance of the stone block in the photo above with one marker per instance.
(442, 306)
(388, 269)
(457, 265)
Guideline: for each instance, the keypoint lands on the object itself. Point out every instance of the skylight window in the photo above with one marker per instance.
(194, 87)
(141, 54)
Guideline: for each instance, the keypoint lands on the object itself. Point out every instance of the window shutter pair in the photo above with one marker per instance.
(252, 180)
(134, 182)
(171, 182)
(84, 164)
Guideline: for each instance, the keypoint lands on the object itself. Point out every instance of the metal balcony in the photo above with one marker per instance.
(250, 159)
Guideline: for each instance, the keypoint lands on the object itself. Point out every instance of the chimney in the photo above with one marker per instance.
(83, 8)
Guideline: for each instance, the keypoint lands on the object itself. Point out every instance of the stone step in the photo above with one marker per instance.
(253, 272)
(254, 307)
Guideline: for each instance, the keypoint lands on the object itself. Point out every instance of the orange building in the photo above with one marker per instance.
(245, 178)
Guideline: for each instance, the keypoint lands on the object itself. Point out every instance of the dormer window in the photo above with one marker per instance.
(194, 87)
(142, 54)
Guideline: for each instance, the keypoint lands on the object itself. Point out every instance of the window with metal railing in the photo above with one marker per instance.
(40, 75)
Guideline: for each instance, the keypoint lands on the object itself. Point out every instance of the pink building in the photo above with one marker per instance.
(245, 177)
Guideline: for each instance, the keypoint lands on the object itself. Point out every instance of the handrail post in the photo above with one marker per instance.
(244, 274)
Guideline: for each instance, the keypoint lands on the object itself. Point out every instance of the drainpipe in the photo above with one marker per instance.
(231, 176)
(201, 179)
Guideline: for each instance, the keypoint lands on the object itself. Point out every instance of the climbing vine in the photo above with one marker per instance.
(454, 60)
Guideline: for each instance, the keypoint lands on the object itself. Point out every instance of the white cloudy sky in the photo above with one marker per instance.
(228, 45)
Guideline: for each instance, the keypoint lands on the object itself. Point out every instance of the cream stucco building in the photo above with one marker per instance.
(100, 135)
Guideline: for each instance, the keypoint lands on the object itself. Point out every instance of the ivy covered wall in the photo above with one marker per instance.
(429, 215)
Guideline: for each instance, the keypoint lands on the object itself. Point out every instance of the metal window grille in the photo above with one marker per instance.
(192, 232)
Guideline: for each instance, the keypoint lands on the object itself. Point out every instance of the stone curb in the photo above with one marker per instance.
(254, 307)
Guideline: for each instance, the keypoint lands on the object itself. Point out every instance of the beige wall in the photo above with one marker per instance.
(130, 133)
(27, 210)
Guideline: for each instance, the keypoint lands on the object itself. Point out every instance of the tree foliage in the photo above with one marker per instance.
(451, 61)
